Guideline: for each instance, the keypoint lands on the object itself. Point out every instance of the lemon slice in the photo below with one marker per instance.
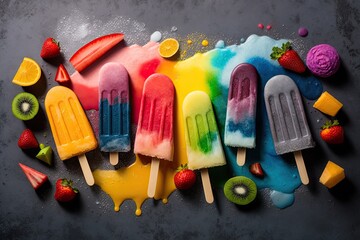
(168, 47)
(28, 73)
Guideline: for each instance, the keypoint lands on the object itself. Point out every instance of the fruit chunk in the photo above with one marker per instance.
(168, 47)
(328, 104)
(93, 50)
(240, 190)
(332, 175)
(27, 140)
(288, 58)
(332, 132)
(50, 48)
(45, 154)
(64, 190)
(62, 74)
(37, 179)
(28, 73)
(25, 106)
(184, 178)
(256, 170)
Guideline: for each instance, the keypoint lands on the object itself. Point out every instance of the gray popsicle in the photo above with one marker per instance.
(288, 124)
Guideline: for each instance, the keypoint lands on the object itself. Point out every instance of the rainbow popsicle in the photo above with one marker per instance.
(154, 135)
(114, 110)
(72, 132)
(240, 124)
(203, 145)
(289, 128)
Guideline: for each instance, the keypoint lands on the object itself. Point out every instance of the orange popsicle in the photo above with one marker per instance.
(72, 132)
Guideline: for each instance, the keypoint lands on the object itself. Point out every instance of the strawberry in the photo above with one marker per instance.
(332, 132)
(62, 74)
(27, 140)
(50, 48)
(288, 58)
(64, 190)
(37, 179)
(184, 178)
(256, 170)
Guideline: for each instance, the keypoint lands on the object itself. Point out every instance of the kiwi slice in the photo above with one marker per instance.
(240, 190)
(25, 106)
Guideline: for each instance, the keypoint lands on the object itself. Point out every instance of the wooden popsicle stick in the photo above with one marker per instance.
(154, 170)
(240, 156)
(114, 158)
(205, 178)
(301, 167)
(89, 178)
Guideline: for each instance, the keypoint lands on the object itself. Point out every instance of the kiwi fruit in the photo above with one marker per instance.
(240, 190)
(25, 106)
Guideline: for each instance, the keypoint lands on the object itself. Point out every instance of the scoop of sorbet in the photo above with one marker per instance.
(323, 60)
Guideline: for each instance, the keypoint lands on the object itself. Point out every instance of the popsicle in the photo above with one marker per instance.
(203, 145)
(70, 127)
(114, 110)
(240, 124)
(289, 128)
(154, 135)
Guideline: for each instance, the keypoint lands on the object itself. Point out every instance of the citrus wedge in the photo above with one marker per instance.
(28, 73)
(168, 47)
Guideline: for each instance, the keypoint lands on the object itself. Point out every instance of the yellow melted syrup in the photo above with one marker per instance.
(132, 182)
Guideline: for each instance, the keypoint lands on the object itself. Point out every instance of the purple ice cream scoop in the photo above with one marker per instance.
(323, 60)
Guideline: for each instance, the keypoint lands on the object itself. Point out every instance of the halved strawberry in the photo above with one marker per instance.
(93, 50)
(62, 74)
(36, 178)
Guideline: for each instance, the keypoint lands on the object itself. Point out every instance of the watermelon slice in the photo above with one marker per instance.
(93, 50)
(36, 178)
(62, 74)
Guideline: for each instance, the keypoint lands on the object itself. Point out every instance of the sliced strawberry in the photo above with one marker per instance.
(256, 170)
(27, 140)
(36, 178)
(62, 74)
(93, 50)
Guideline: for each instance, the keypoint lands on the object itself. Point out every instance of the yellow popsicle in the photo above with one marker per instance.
(72, 132)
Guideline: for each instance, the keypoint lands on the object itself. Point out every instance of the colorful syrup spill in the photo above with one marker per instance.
(209, 72)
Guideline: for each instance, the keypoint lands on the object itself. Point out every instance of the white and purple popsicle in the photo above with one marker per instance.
(240, 124)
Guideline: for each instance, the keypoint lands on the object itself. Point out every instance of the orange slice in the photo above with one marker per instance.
(168, 47)
(28, 73)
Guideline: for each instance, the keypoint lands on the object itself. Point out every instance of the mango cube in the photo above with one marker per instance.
(332, 175)
(328, 104)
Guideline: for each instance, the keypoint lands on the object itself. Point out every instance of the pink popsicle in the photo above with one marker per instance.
(154, 135)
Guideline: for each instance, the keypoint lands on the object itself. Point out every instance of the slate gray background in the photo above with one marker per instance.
(317, 212)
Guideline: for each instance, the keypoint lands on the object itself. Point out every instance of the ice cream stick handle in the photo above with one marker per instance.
(114, 158)
(301, 167)
(89, 178)
(155, 163)
(209, 197)
(240, 156)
